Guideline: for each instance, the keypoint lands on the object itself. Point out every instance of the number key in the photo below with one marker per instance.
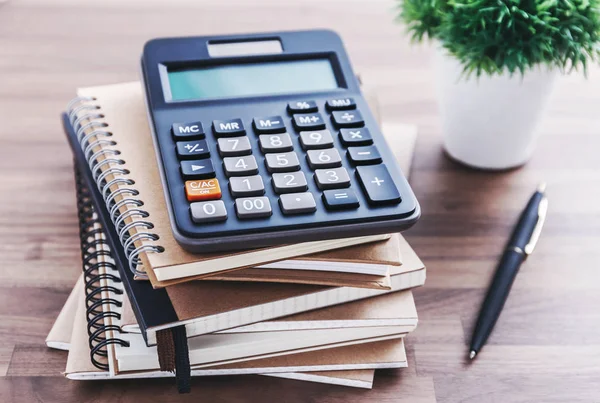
(234, 146)
(270, 143)
(210, 211)
(334, 178)
(253, 207)
(289, 182)
(328, 158)
(316, 139)
(240, 166)
(246, 186)
(284, 162)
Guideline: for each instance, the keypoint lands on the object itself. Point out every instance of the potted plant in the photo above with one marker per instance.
(496, 61)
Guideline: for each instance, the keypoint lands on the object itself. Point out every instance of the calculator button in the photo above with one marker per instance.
(197, 169)
(240, 166)
(210, 211)
(187, 131)
(378, 184)
(270, 143)
(297, 203)
(243, 186)
(234, 146)
(356, 137)
(333, 178)
(283, 162)
(316, 139)
(271, 124)
(340, 104)
(253, 207)
(226, 128)
(368, 155)
(347, 119)
(192, 149)
(289, 182)
(328, 158)
(311, 121)
(302, 107)
(204, 189)
(340, 199)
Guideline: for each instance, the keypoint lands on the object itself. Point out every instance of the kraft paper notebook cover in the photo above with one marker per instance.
(59, 337)
(122, 109)
(131, 352)
(383, 354)
(206, 307)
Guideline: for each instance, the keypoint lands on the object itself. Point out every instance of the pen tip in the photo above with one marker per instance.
(541, 187)
(472, 354)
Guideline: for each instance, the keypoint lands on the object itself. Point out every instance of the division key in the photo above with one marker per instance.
(378, 184)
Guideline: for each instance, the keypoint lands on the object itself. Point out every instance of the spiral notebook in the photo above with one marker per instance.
(112, 130)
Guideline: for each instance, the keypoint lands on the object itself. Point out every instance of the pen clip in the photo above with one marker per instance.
(535, 235)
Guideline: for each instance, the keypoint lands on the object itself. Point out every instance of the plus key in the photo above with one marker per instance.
(378, 185)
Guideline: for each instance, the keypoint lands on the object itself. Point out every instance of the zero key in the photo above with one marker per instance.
(378, 184)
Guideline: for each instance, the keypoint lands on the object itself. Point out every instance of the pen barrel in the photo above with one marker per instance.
(504, 277)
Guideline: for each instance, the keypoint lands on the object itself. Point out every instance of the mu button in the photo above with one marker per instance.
(205, 189)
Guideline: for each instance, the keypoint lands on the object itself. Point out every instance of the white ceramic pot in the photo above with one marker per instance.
(490, 122)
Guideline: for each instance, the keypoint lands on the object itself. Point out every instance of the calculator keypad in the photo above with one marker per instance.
(234, 146)
(272, 141)
(282, 162)
(297, 203)
(211, 211)
(244, 186)
(253, 207)
(332, 178)
(192, 149)
(328, 158)
(311, 121)
(316, 139)
(240, 166)
(289, 182)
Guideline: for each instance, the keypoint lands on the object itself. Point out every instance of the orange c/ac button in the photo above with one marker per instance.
(205, 189)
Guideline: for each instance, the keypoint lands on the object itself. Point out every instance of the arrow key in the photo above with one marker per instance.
(197, 169)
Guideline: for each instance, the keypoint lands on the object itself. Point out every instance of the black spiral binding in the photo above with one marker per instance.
(95, 270)
(117, 190)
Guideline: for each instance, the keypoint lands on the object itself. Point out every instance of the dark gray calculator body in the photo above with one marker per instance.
(266, 139)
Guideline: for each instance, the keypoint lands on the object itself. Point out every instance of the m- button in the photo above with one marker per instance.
(227, 128)
(271, 124)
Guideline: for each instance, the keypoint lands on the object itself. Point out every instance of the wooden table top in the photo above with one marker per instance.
(546, 345)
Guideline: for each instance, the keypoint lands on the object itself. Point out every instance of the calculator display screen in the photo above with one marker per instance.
(251, 79)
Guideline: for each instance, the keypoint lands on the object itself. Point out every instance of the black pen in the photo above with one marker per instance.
(520, 245)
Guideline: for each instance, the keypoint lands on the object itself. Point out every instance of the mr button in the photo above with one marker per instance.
(205, 189)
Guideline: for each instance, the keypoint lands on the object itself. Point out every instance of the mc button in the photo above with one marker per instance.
(187, 131)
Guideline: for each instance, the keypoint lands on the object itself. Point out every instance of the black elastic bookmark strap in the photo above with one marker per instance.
(183, 373)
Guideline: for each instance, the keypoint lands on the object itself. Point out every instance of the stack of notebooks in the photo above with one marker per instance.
(328, 311)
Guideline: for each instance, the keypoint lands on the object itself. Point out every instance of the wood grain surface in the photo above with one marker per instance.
(546, 346)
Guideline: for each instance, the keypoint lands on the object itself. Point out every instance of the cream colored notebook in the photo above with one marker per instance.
(381, 354)
(61, 332)
(128, 151)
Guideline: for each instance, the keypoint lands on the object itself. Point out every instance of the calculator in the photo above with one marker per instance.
(266, 139)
